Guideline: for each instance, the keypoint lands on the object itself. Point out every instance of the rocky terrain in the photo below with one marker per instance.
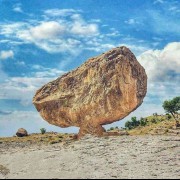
(91, 157)
(103, 90)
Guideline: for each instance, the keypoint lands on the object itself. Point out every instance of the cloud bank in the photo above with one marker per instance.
(163, 71)
(6, 54)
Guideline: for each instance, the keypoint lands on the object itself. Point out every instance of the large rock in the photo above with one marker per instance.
(101, 91)
(21, 132)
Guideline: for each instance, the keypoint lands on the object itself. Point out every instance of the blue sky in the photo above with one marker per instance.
(41, 40)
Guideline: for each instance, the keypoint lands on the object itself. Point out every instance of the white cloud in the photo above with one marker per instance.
(136, 49)
(24, 88)
(67, 35)
(42, 72)
(173, 8)
(80, 27)
(47, 30)
(98, 47)
(60, 12)
(60, 35)
(113, 34)
(163, 23)
(131, 21)
(96, 20)
(4, 41)
(159, 2)
(3, 75)
(21, 63)
(163, 71)
(49, 73)
(45, 35)
(8, 31)
(18, 8)
(162, 65)
(59, 45)
(6, 54)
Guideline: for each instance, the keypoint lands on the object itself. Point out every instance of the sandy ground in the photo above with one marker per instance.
(111, 157)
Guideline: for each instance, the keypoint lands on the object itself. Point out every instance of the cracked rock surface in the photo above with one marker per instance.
(101, 91)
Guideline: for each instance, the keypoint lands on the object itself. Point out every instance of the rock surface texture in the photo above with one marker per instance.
(101, 91)
(123, 157)
(21, 132)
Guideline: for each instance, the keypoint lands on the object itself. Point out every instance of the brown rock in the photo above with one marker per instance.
(101, 91)
(21, 132)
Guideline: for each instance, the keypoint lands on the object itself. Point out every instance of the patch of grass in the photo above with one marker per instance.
(38, 138)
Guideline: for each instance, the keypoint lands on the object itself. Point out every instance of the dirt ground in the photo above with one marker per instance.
(108, 157)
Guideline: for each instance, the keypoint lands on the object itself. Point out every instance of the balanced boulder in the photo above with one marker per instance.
(101, 91)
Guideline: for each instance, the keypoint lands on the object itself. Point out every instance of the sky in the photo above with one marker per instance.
(41, 40)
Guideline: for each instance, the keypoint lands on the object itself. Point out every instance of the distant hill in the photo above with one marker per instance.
(152, 125)
(157, 124)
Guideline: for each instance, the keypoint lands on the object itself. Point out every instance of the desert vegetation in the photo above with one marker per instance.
(43, 130)
(135, 123)
(38, 138)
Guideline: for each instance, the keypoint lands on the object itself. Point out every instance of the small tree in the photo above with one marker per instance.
(172, 107)
(128, 125)
(135, 122)
(43, 130)
(176, 102)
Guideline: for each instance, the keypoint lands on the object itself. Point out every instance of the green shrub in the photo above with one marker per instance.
(133, 123)
(143, 122)
(154, 121)
(128, 125)
(43, 130)
(169, 116)
(111, 129)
